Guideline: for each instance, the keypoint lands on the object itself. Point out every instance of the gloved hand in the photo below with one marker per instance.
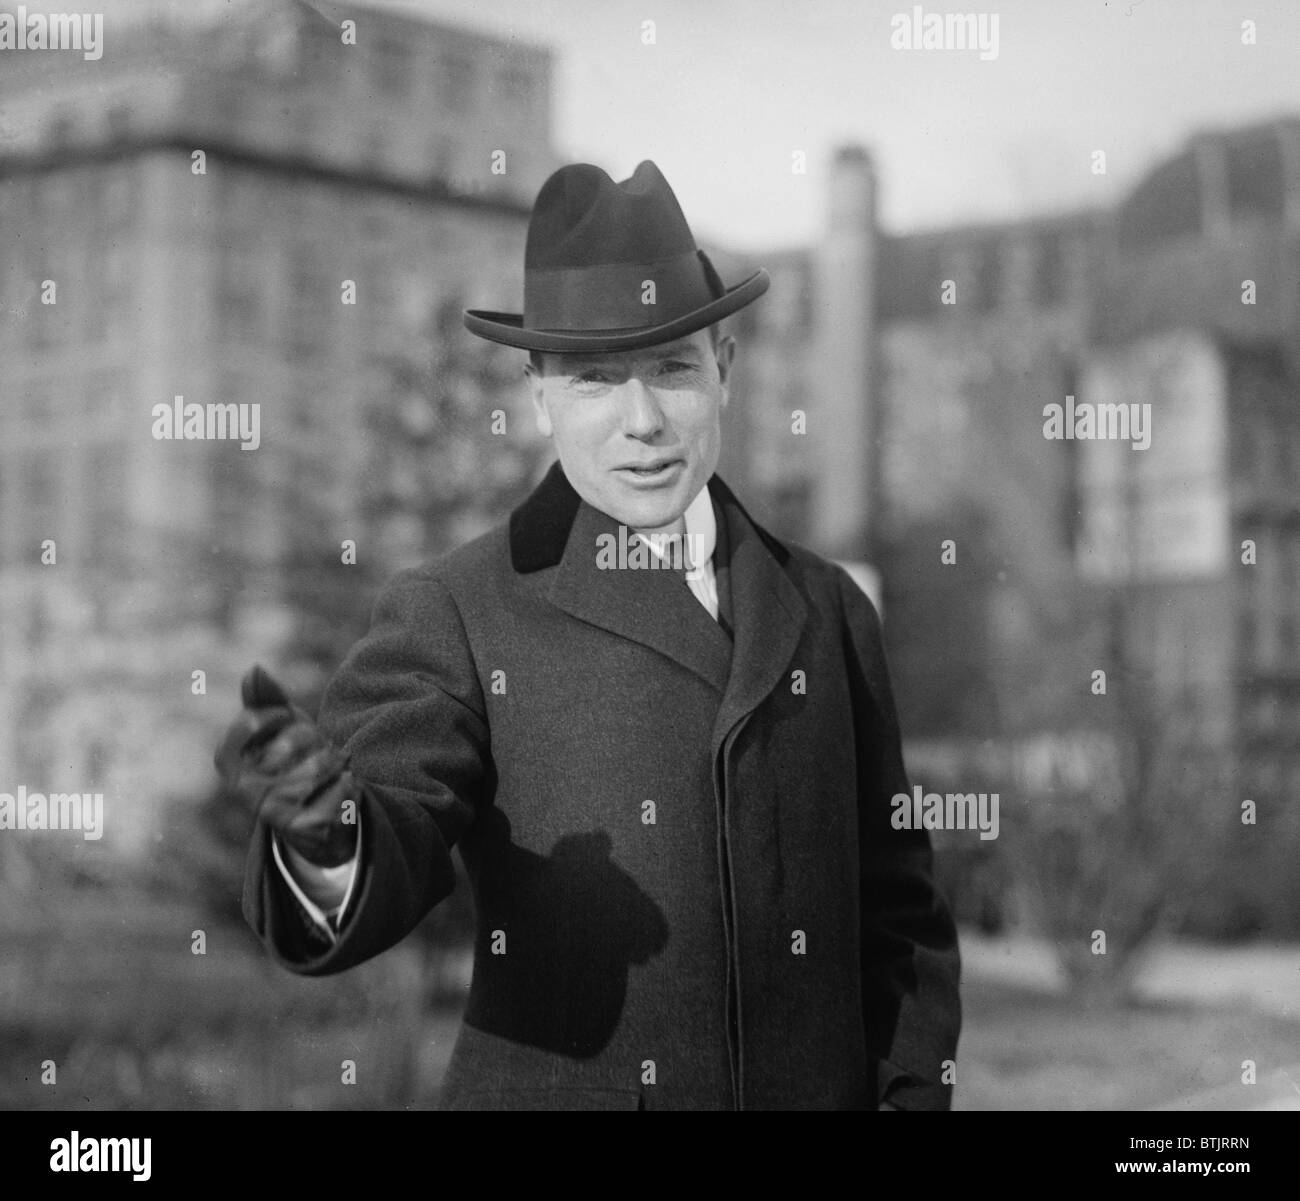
(289, 774)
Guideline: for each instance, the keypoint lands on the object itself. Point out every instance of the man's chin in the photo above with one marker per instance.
(646, 511)
(645, 519)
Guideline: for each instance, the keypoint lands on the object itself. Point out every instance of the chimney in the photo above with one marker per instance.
(841, 418)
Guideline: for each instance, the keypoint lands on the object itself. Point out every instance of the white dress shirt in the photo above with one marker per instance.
(701, 540)
(325, 892)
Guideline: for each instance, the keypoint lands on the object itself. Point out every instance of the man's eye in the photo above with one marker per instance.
(676, 366)
(591, 377)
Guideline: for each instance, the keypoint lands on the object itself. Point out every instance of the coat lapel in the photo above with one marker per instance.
(554, 527)
(654, 607)
(767, 610)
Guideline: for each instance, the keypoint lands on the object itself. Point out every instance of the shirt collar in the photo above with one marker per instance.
(701, 530)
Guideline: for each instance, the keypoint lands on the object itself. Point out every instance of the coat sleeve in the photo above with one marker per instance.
(407, 706)
(909, 956)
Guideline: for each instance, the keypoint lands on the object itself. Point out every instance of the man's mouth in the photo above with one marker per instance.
(653, 469)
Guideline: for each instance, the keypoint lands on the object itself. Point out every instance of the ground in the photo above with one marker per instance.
(130, 1017)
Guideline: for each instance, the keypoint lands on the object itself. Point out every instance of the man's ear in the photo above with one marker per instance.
(540, 412)
(725, 355)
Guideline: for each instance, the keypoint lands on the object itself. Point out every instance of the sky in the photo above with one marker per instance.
(730, 90)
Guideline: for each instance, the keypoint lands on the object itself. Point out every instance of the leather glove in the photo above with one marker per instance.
(291, 777)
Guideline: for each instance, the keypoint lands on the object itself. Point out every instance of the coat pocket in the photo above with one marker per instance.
(545, 1098)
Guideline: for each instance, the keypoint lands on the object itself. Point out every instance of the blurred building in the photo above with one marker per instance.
(923, 362)
(980, 327)
(1198, 313)
(200, 200)
(925, 386)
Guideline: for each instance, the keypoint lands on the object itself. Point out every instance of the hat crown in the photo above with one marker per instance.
(582, 218)
(612, 266)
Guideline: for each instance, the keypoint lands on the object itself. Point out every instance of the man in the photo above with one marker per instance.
(663, 741)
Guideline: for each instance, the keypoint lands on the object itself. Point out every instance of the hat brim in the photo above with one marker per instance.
(508, 328)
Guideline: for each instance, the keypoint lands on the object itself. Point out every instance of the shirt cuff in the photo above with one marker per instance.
(315, 887)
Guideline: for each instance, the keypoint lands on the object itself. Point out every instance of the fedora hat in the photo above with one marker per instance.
(612, 266)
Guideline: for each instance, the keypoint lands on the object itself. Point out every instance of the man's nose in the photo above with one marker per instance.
(642, 416)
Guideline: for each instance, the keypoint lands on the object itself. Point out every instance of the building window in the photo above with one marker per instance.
(1282, 453)
(239, 300)
(1255, 175)
(104, 520)
(105, 402)
(43, 316)
(119, 122)
(98, 759)
(91, 299)
(120, 201)
(1286, 633)
(60, 131)
(308, 320)
(988, 276)
(390, 67)
(116, 291)
(515, 87)
(1289, 599)
(1051, 269)
(38, 626)
(11, 517)
(39, 409)
(377, 150)
(39, 503)
(456, 82)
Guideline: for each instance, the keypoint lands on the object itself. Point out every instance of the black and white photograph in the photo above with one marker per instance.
(572, 555)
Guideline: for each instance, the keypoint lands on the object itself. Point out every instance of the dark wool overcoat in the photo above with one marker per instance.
(689, 892)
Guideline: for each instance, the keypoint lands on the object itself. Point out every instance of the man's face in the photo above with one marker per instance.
(637, 431)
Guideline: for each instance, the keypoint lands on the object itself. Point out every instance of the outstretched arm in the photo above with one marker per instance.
(407, 710)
